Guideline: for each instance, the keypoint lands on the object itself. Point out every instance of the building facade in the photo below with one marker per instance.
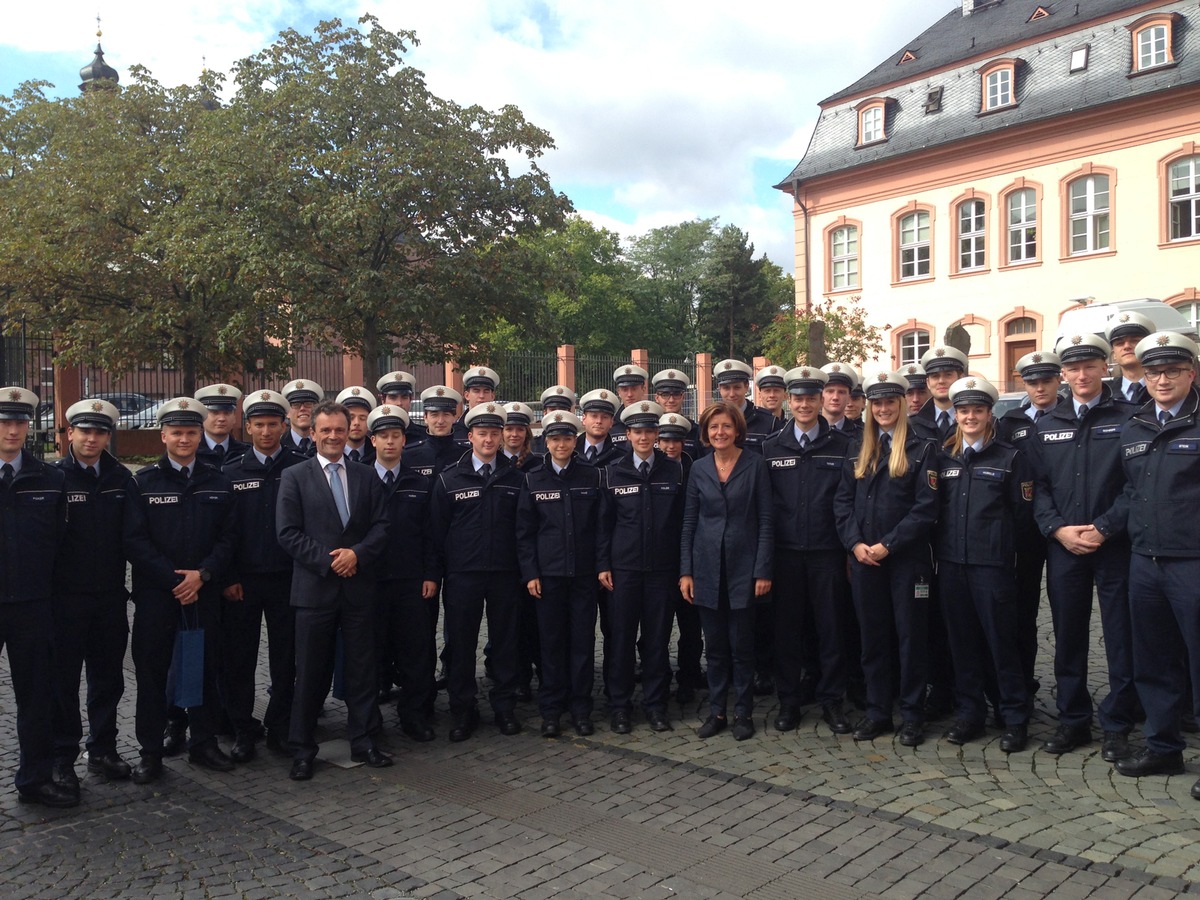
(1014, 160)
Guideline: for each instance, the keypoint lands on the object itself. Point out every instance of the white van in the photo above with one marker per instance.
(1094, 317)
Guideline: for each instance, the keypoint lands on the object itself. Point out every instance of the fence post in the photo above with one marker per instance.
(704, 381)
(68, 390)
(641, 358)
(453, 376)
(352, 370)
(566, 365)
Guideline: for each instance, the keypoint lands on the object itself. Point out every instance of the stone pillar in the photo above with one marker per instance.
(566, 365)
(68, 390)
(352, 370)
(641, 358)
(454, 377)
(704, 382)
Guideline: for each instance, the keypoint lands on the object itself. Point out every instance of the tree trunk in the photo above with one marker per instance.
(371, 351)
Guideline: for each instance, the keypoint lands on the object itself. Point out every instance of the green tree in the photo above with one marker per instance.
(672, 259)
(738, 297)
(385, 213)
(847, 336)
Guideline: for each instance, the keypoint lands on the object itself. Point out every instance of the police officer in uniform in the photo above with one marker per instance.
(33, 512)
(397, 389)
(770, 391)
(595, 446)
(641, 518)
(259, 584)
(732, 377)
(985, 492)
(836, 396)
(474, 554)
(918, 393)
(180, 535)
(630, 382)
(805, 463)
(219, 445)
(1079, 511)
(302, 395)
(1161, 459)
(1123, 332)
(358, 402)
(670, 388)
(555, 397)
(406, 602)
(556, 543)
(479, 386)
(442, 447)
(91, 626)
(1041, 374)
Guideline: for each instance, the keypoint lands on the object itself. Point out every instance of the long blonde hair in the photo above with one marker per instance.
(954, 443)
(868, 455)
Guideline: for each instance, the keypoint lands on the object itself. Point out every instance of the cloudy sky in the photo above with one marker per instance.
(662, 111)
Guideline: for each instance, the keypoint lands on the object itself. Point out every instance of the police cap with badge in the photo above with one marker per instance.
(1165, 348)
(219, 397)
(558, 396)
(601, 401)
(519, 414)
(561, 421)
(357, 395)
(943, 358)
(1128, 324)
(884, 384)
(481, 376)
(182, 411)
(973, 390)
(93, 413)
(1081, 347)
(398, 382)
(630, 376)
(303, 390)
(264, 403)
(1038, 365)
(728, 371)
(805, 380)
(643, 414)
(914, 374)
(387, 416)
(670, 381)
(440, 398)
(674, 426)
(770, 376)
(841, 373)
(485, 415)
(17, 404)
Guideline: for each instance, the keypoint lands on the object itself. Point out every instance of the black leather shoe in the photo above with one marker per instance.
(869, 729)
(1147, 762)
(712, 726)
(763, 684)
(242, 751)
(743, 728)
(212, 757)
(110, 765)
(912, 734)
(174, 739)
(508, 723)
(1115, 746)
(685, 693)
(835, 718)
(1067, 737)
(620, 722)
(374, 758)
(49, 794)
(148, 769)
(464, 726)
(583, 726)
(551, 728)
(64, 775)
(962, 731)
(301, 770)
(788, 719)
(418, 731)
(1196, 791)
(1014, 739)
(658, 720)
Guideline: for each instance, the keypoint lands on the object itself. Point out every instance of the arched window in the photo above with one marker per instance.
(1184, 198)
(1089, 214)
(914, 246)
(1023, 325)
(1021, 210)
(913, 345)
(843, 258)
(972, 229)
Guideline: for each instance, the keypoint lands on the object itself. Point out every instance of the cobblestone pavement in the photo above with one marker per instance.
(805, 814)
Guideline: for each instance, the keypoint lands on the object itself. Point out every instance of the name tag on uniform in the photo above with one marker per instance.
(1054, 437)
(465, 495)
(412, 495)
(162, 499)
(212, 497)
(828, 462)
(77, 498)
(988, 473)
(1106, 431)
(1132, 450)
(247, 485)
(35, 496)
(627, 489)
(583, 492)
(665, 488)
(786, 463)
(1184, 445)
(546, 496)
(507, 490)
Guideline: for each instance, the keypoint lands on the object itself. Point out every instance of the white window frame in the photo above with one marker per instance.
(998, 89)
(871, 125)
(1183, 205)
(1089, 210)
(915, 251)
(1021, 231)
(1153, 47)
(913, 345)
(972, 235)
(843, 258)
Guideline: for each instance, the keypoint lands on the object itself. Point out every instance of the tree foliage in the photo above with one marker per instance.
(847, 335)
(739, 296)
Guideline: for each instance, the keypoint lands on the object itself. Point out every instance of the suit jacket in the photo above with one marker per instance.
(309, 527)
(738, 520)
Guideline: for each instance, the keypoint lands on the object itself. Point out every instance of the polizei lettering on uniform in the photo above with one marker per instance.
(788, 463)
(247, 485)
(622, 490)
(77, 498)
(162, 499)
(1053, 437)
(1136, 449)
(467, 495)
(539, 496)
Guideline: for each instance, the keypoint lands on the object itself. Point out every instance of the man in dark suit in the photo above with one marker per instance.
(332, 521)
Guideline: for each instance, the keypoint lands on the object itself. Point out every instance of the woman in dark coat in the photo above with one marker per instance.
(726, 560)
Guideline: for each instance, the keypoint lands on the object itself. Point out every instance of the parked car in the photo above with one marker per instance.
(142, 418)
(1094, 317)
(126, 402)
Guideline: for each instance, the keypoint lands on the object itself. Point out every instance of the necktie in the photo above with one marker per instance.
(968, 455)
(1081, 414)
(644, 468)
(1037, 415)
(390, 478)
(943, 423)
(219, 450)
(185, 473)
(591, 453)
(305, 445)
(1164, 416)
(339, 496)
(885, 445)
(9, 474)
(804, 442)
(486, 470)
(355, 456)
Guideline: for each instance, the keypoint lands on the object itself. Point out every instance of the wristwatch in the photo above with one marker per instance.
(205, 576)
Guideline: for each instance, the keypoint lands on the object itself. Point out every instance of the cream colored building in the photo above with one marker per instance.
(1014, 158)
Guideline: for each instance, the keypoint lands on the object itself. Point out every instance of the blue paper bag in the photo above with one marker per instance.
(185, 680)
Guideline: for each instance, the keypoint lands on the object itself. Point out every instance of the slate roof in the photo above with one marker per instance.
(1045, 87)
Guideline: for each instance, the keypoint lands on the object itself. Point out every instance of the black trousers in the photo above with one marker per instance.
(406, 645)
(1069, 581)
(465, 596)
(644, 600)
(316, 637)
(566, 618)
(26, 629)
(157, 615)
(1031, 563)
(241, 626)
(90, 630)
(690, 645)
(812, 582)
(729, 641)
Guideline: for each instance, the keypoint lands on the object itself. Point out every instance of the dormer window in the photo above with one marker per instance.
(998, 85)
(1153, 41)
(872, 121)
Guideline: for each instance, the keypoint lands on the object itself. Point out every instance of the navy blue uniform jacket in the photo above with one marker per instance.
(93, 541)
(804, 483)
(473, 520)
(33, 514)
(896, 512)
(255, 497)
(641, 517)
(984, 504)
(556, 521)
